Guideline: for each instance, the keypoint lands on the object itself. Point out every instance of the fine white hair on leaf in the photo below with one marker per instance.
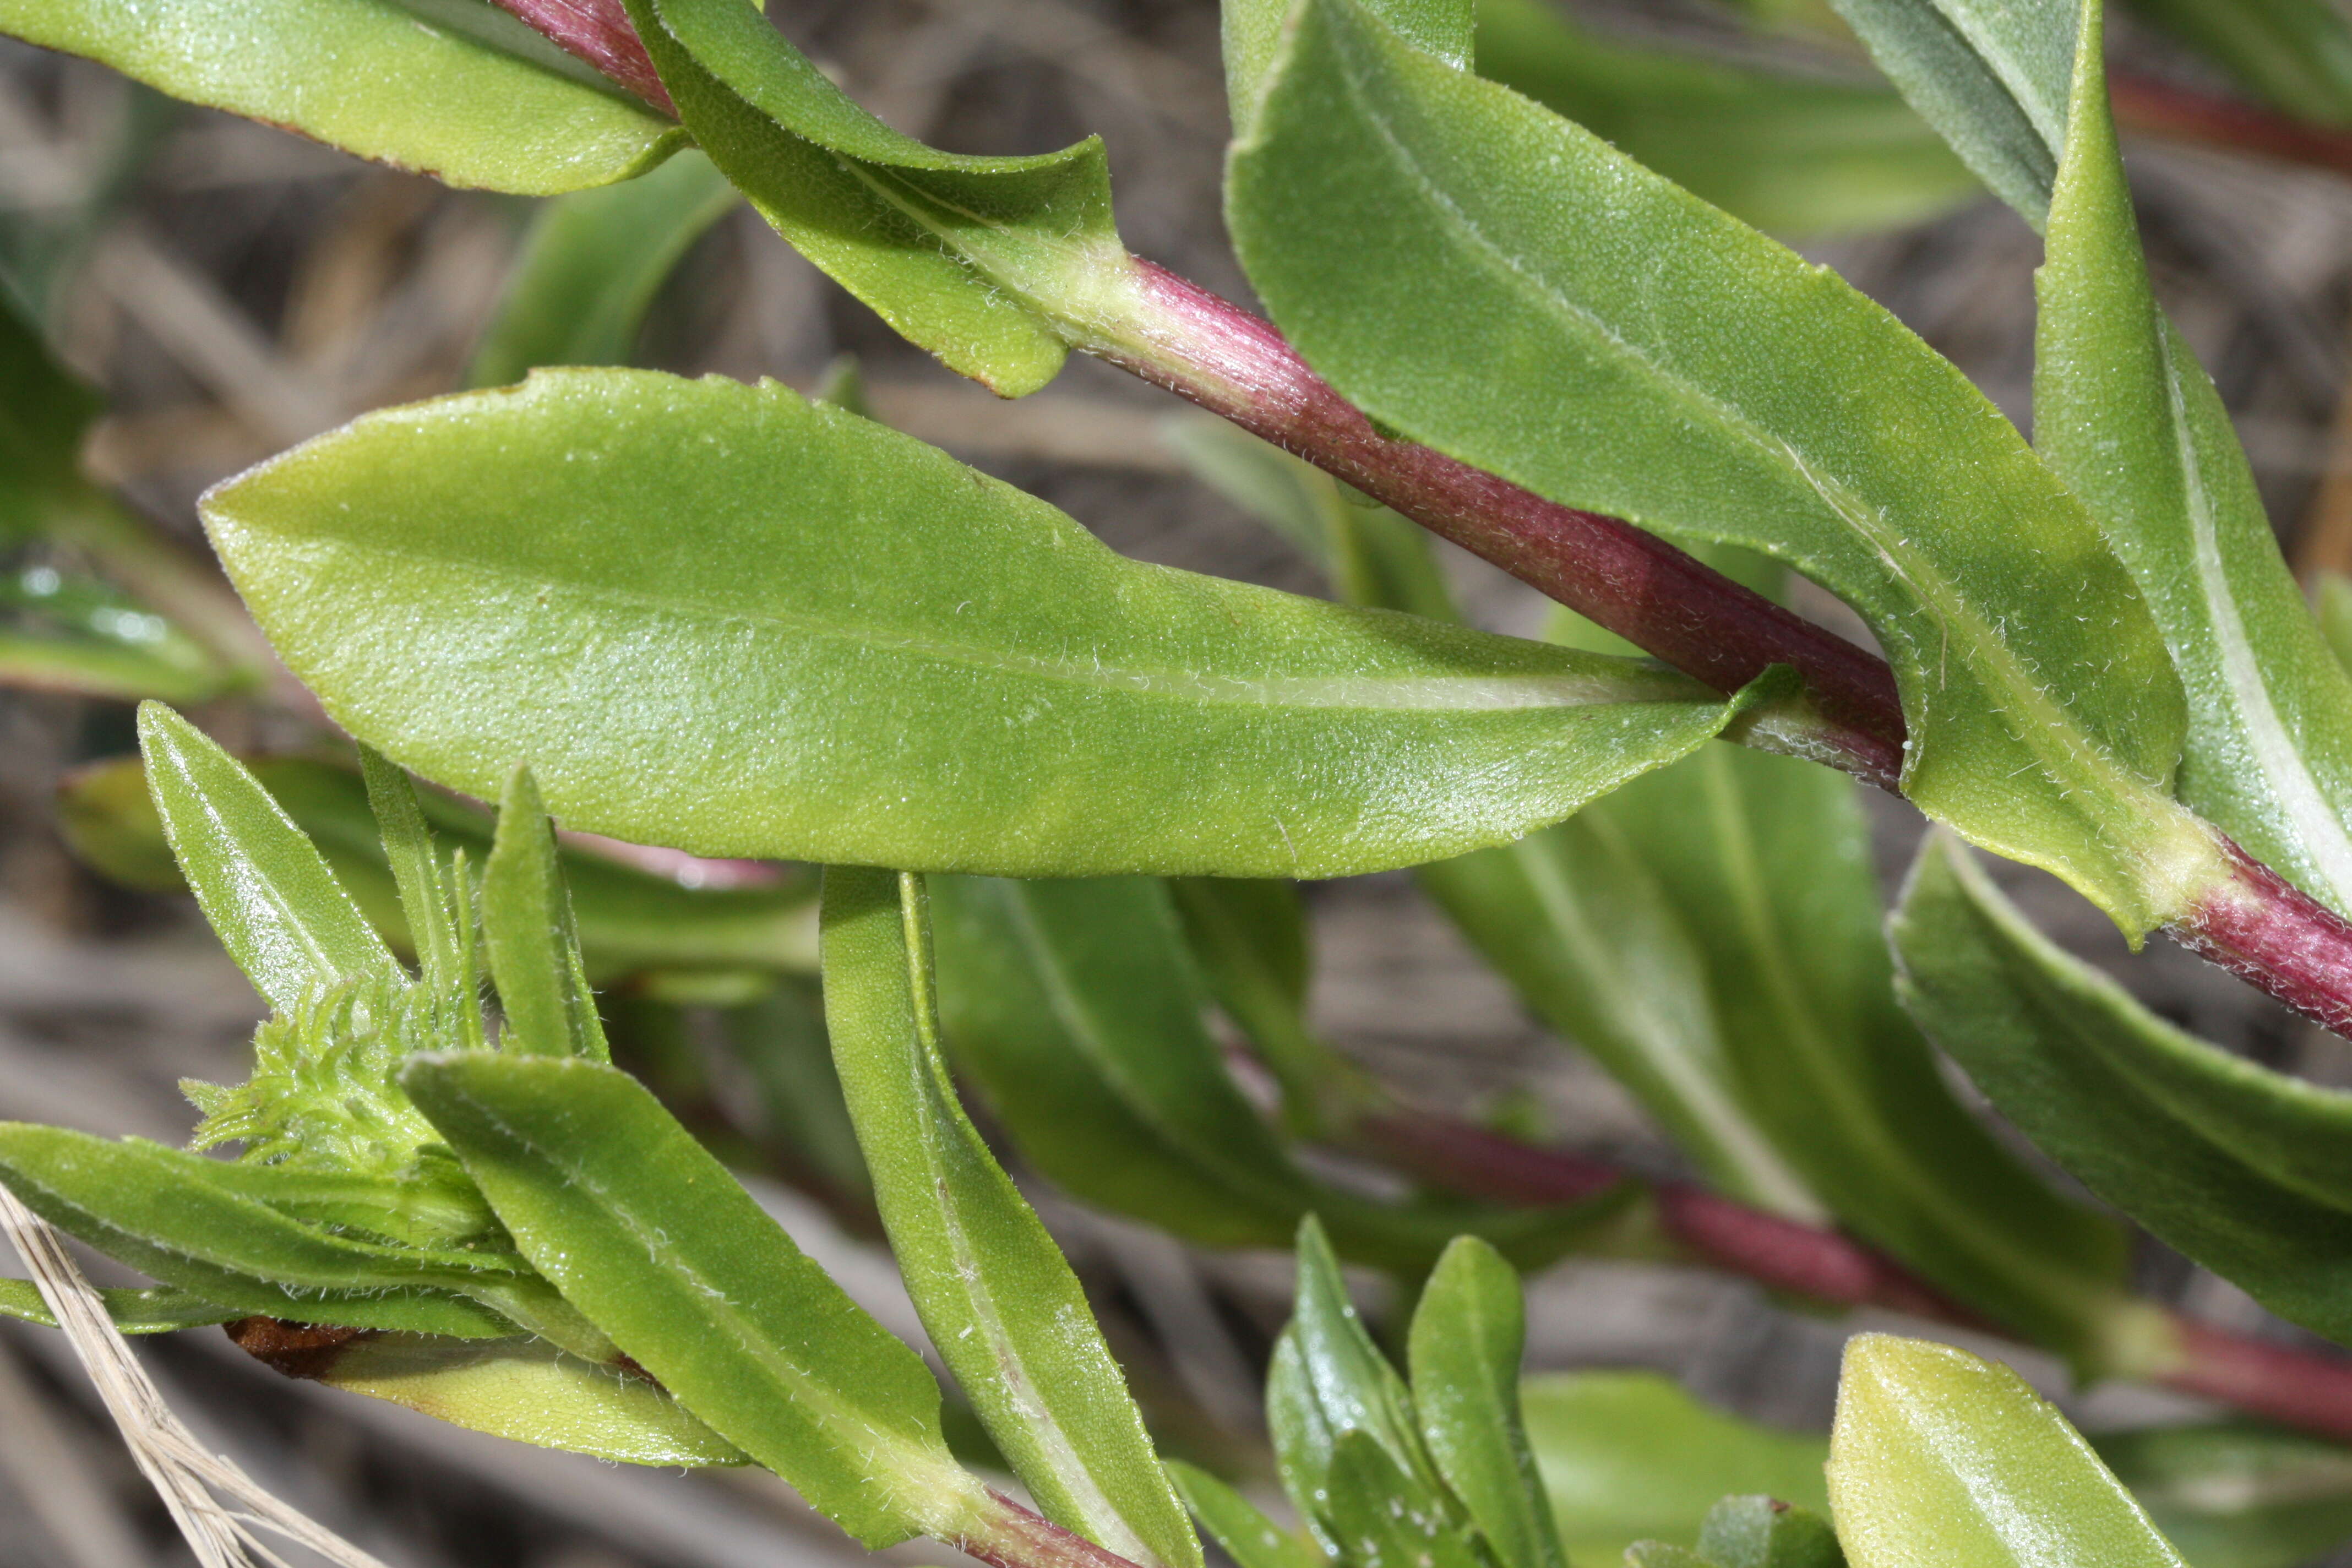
(193, 1482)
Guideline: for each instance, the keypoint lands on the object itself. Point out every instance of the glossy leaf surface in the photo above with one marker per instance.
(969, 256)
(260, 882)
(650, 1237)
(531, 1392)
(1707, 384)
(836, 644)
(1467, 1336)
(1629, 1456)
(534, 950)
(2126, 416)
(628, 919)
(1940, 1458)
(996, 1296)
(1792, 154)
(1074, 1006)
(2242, 1168)
(590, 268)
(455, 89)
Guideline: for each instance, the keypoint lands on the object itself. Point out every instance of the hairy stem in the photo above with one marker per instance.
(2308, 1390)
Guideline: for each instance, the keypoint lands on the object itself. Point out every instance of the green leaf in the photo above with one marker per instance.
(1467, 1336)
(718, 618)
(534, 950)
(1765, 1532)
(1378, 1515)
(2242, 1168)
(1940, 1458)
(1252, 32)
(1790, 154)
(591, 266)
(1346, 1380)
(455, 89)
(650, 1237)
(2236, 1495)
(2295, 54)
(45, 412)
(1249, 1538)
(974, 259)
(1074, 1006)
(996, 1296)
(1438, 245)
(161, 1211)
(629, 919)
(159, 1310)
(1626, 1455)
(531, 1392)
(260, 882)
(2124, 415)
(1991, 78)
(440, 926)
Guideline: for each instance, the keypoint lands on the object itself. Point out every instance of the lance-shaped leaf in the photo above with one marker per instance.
(1940, 1458)
(1433, 244)
(260, 882)
(455, 89)
(1467, 1336)
(156, 1210)
(591, 266)
(720, 617)
(527, 1390)
(1249, 1538)
(650, 1237)
(1075, 1007)
(1629, 1456)
(971, 258)
(152, 1310)
(2242, 1168)
(996, 1295)
(2126, 416)
(527, 927)
(628, 919)
(1792, 154)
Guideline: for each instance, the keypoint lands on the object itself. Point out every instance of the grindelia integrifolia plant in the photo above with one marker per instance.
(729, 620)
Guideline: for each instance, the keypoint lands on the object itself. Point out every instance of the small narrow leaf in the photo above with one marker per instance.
(1467, 1339)
(996, 1296)
(153, 1209)
(460, 91)
(534, 949)
(629, 919)
(591, 266)
(531, 1392)
(1941, 1458)
(646, 1234)
(1249, 1538)
(1434, 243)
(716, 617)
(260, 882)
(158, 1310)
(2242, 1168)
(1793, 154)
(427, 910)
(968, 256)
